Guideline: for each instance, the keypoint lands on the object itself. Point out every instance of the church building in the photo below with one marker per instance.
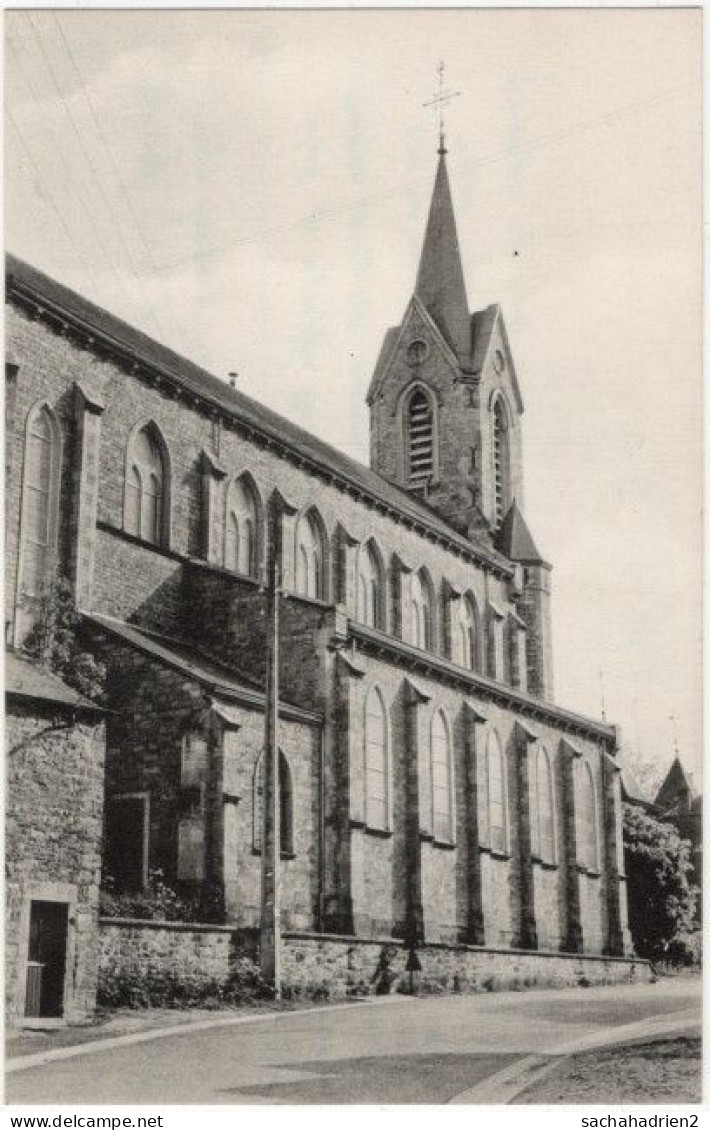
(431, 789)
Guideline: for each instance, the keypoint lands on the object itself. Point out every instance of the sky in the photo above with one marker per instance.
(251, 188)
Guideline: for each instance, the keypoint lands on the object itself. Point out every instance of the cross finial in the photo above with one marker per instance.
(439, 100)
(673, 720)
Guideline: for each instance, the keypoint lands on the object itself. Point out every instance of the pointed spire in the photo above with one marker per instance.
(440, 281)
(515, 540)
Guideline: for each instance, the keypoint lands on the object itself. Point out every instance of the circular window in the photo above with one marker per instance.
(417, 351)
(498, 361)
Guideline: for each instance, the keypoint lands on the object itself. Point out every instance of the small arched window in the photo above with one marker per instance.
(441, 780)
(310, 558)
(40, 512)
(501, 460)
(468, 634)
(589, 846)
(420, 437)
(241, 533)
(543, 827)
(370, 587)
(146, 498)
(376, 761)
(39, 518)
(285, 804)
(497, 793)
(422, 611)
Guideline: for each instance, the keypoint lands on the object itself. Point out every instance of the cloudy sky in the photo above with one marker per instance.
(252, 188)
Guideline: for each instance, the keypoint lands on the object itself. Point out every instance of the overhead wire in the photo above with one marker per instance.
(84, 87)
(94, 173)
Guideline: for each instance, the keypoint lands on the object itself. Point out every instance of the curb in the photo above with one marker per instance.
(95, 1047)
(508, 1083)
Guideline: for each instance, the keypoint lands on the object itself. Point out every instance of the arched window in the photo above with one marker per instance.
(542, 823)
(40, 510)
(310, 558)
(241, 532)
(589, 846)
(370, 587)
(468, 634)
(422, 611)
(501, 460)
(376, 761)
(441, 780)
(285, 804)
(420, 437)
(146, 505)
(497, 793)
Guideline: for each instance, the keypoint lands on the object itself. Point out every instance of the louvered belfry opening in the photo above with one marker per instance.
(500, 461)
(421, 438)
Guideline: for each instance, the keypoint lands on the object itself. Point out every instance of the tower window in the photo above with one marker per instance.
(501, 462)
(420, 437)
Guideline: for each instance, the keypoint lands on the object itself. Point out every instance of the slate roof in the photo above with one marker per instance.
(25, 680)
(180, 656)
(23, 279)
(515, 540)
(675, 784)
(440, 281)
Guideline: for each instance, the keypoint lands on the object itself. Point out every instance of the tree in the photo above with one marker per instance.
(661, 897)
(53, 642)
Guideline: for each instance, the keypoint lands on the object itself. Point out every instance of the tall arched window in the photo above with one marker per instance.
(441, 780)
(241, 532)
(501, 460)
(310, 557)
(468, 634)
(285, 804)
(376, 761)
(370, 587)
(420, 437)
(422, 611)
(147, 485)
(542, 824)
(589, 846)
(40, 511)
(497, 793)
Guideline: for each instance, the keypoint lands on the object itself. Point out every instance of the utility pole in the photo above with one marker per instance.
(270, 932)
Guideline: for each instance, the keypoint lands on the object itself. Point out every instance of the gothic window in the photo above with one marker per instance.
(420, 437)
(422, 611)
(40, 504)
(146, 509)
(376, 762)
(589, 843)
(241, 533)
(370, 588)
(542, 823)
(468, 634)
(501, 460)
(310, 558)
(285, 805)
(441, 780)
(497, 823)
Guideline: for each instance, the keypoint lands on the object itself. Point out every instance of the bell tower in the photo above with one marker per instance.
(444, 400)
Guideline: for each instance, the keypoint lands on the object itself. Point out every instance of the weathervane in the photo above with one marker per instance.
(439, 100)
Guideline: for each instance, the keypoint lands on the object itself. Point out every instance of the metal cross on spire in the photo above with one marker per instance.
(674, 722)
(439, 100)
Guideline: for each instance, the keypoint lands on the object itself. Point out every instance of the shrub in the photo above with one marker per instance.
(53, 642)
(157, 901)
(139, 988)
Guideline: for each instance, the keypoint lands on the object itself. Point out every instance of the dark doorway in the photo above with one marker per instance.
(47, 959)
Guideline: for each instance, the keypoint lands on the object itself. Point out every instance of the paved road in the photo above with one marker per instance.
(397, 1050)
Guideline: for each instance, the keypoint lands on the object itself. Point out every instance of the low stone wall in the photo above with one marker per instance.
(194, 954)
(339, 966)
(350, 965)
